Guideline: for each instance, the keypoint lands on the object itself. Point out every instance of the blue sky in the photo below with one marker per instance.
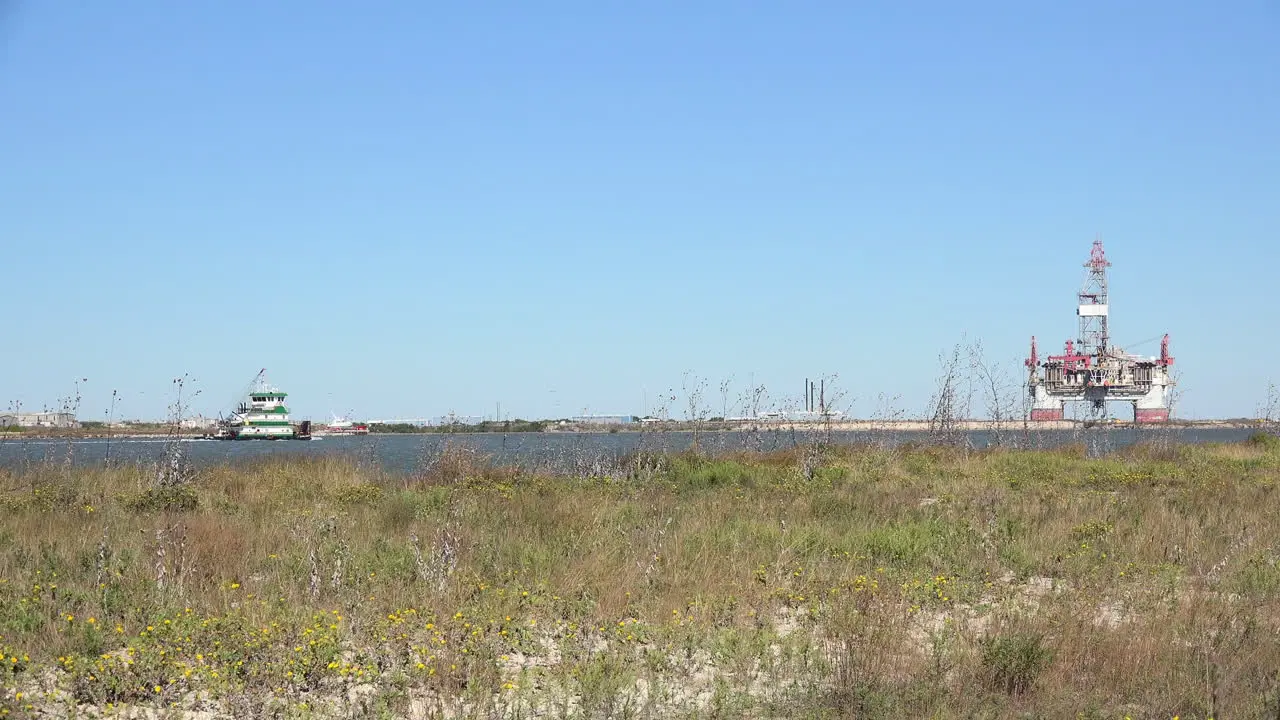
(406, 209)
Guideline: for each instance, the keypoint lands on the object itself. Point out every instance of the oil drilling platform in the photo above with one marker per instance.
(1091, 370)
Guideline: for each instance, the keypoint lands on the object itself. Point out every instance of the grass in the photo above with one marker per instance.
(868, 583)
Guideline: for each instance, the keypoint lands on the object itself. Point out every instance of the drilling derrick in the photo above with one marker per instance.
(1091, 370)
(1093, 304)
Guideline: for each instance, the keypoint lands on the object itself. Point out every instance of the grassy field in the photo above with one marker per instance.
(823, 583)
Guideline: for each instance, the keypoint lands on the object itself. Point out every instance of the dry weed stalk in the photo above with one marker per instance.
(70, 405)
(657, 533)
(888, 412)
(172, 563)
(725, 385)
(999, 393)
(174, 469)
(695, 413)
(101, 564)
(951, 402)
(321, 538)
(313, 586)
(110, 423)
(1269, 411)
(754, 401)
(443, 556)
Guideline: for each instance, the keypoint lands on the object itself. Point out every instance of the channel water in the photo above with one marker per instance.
(563, 452)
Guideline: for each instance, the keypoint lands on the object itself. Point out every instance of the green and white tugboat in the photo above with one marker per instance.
(263, 416)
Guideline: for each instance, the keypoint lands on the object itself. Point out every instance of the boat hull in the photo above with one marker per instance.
(269, 432)
(344, 431)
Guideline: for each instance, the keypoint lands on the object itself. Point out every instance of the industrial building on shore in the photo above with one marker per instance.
(39, 419)
(603, 419)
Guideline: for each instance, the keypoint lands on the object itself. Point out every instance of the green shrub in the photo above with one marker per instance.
(1265, 440)
(1014, 661)
(171, 498)
(695, 472)
(362, 494)
(1260, 575)
(400, 509)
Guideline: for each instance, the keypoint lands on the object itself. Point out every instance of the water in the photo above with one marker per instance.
(560, 452)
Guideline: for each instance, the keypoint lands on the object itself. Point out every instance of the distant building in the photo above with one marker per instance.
(813, 416)
(604, 419)
(451, 419)
(39, 419)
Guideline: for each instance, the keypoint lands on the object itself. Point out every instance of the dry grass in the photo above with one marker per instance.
(865, 583)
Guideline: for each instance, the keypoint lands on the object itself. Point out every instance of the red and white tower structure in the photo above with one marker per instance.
(1093, 308)
(1091, 369)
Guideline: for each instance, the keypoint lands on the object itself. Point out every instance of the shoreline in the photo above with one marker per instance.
(912, 426)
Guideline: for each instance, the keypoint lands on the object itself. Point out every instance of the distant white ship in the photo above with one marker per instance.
(339, 425)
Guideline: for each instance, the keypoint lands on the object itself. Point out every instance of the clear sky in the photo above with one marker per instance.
(405, 209)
